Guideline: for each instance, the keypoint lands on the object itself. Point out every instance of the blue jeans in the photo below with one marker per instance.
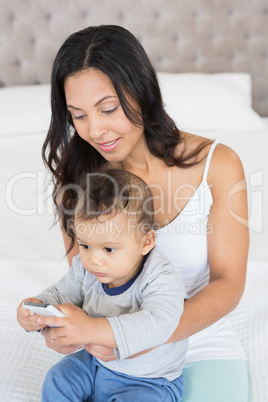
(80, 377)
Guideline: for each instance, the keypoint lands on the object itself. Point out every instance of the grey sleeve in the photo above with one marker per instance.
(68, 289)
(158, 317)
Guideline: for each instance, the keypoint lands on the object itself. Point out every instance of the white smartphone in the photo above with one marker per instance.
(44, 309)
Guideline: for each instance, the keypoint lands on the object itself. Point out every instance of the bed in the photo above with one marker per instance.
(204, 58)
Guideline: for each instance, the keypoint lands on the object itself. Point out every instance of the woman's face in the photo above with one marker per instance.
(99, 118)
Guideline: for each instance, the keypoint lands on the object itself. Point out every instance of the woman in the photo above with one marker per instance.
(107, 107)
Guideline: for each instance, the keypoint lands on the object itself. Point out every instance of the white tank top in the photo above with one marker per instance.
(184, 242)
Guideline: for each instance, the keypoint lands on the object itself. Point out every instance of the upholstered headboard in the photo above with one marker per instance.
(179, 36)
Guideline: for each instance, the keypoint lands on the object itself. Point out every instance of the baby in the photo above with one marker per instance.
(120, 293)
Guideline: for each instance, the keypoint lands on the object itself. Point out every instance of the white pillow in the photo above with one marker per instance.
(24, 110)
(210, 101)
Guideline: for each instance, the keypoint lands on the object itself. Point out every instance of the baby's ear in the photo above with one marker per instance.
(148, 242)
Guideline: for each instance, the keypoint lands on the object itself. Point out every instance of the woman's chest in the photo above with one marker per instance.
(172, 190)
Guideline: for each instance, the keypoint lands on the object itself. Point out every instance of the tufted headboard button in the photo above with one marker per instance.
(48, 16)
(32, 40)
(11, 18)
(17, 63)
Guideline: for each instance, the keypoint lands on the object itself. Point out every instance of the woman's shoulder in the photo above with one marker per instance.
(222, 154)
(225, 164)
(226, 172)
(193, 147)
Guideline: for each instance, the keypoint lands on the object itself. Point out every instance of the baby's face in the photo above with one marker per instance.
(110, 248)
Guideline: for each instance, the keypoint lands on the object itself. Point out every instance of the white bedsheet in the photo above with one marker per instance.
(25, 358)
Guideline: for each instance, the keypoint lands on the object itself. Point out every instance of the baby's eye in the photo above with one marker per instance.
(109, 249)
(84, 246)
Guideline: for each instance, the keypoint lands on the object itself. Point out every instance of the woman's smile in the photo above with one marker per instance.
(109, 146)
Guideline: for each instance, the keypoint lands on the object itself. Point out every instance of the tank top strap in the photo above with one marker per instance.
(209, 156)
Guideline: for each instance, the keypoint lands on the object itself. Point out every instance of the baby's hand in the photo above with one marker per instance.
(28, 319)
(73, 329)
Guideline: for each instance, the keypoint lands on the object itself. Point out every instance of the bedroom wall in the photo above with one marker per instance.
(179, 36)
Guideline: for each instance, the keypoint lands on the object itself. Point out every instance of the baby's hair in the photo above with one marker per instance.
(111, 191)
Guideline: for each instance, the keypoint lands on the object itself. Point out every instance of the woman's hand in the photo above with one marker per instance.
(100, 352)
(28, 319)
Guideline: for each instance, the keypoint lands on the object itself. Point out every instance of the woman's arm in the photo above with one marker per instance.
(228, 241)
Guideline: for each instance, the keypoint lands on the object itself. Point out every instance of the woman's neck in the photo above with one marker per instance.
(140, 162)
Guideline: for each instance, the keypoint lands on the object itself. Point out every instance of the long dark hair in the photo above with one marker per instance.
(117, 53)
